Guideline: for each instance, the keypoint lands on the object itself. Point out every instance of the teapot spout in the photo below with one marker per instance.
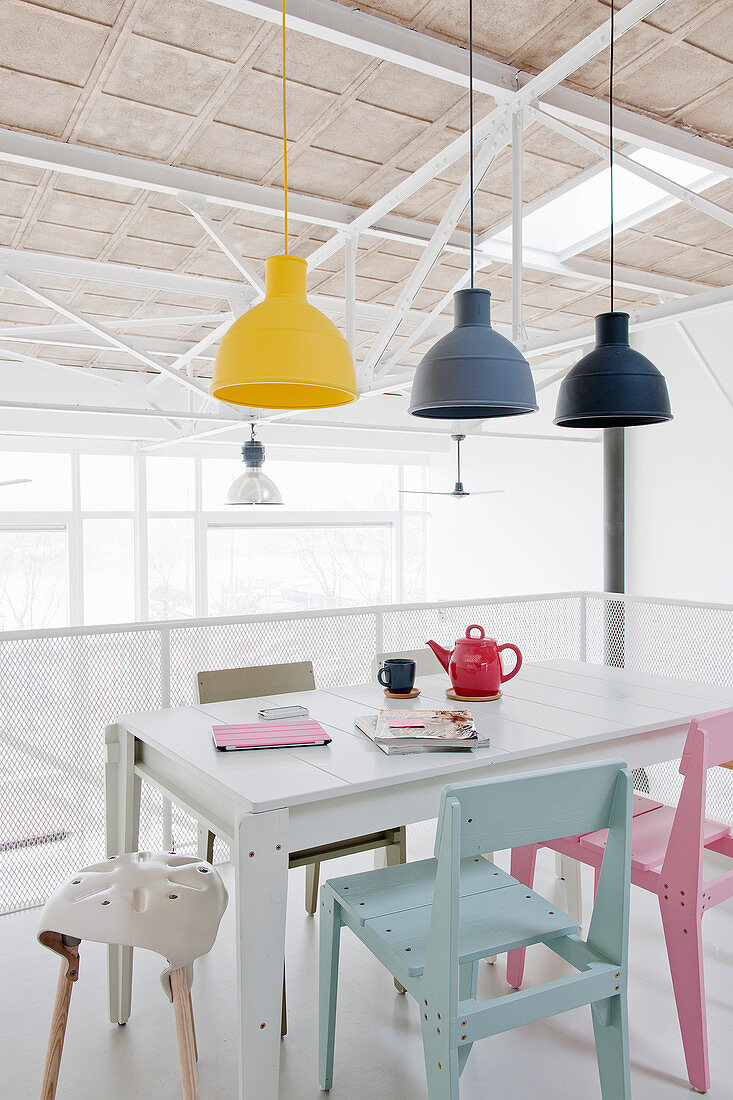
(443, 655)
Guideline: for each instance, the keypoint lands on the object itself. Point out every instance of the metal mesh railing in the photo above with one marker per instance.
(59, 689)
(57, 694)
(689, 641)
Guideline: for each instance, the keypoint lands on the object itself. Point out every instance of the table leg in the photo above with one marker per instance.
(123, 824)
(261, 887)
(112, 848)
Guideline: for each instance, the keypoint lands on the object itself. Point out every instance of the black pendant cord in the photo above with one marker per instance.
(610, 138)
(470, 120)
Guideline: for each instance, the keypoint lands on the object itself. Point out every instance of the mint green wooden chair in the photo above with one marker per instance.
(431, 922)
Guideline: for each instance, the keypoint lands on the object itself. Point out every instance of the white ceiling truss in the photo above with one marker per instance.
(520, 100)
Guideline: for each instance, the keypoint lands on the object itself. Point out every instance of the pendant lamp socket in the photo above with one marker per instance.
(613, 386)
(253, 487)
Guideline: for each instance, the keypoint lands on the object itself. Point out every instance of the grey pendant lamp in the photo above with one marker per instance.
(253, 487)
(613, 386)
(472, 373)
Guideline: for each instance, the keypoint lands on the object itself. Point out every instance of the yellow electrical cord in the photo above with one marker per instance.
(285, 140)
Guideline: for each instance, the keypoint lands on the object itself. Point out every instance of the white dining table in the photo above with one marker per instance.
(270, 802)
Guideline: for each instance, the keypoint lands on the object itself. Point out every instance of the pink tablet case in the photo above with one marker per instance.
(258, 735)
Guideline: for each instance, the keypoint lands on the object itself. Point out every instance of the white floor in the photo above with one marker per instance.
(379, 1053)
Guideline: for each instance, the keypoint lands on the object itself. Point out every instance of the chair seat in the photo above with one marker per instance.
(410, 885)
(163, 902)
(497, 913)
(650, 837)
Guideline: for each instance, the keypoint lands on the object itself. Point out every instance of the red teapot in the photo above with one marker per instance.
(474, 666)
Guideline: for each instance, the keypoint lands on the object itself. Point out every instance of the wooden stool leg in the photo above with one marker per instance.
(312, 876)
(67, 976)
(193, 1027)
(284, 1013)
(184, 1033)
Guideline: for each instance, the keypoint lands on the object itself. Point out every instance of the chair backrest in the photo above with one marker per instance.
(709, 744)
(713, 733)
(527, 809)
(426, 663)
(493, 814)
(218, 685)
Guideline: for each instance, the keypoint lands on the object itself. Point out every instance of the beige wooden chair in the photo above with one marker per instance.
(426, 663)
(247, 683)
(163, 902)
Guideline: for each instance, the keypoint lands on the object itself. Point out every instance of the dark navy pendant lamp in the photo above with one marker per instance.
(472, 373)
(613, 386)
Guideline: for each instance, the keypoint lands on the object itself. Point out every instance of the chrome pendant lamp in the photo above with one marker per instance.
(472, 373)
(253, 487)
(613, 386)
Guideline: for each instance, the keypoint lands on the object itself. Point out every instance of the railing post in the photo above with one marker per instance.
(165, 667)
(584, 627)
(379, 631)
(165, 701)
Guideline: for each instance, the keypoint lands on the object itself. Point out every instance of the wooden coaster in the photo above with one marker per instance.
(471, 698)
(409, 695)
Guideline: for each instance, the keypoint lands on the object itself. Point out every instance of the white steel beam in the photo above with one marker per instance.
(447, 224)
(586, 267)
(110, 338)
(125, 274)
(166, 179)
(640, 319)
(702, 360)
(22, 263)
(197, 206)
(408, 187)
(539, 203)
(355, 30)
(421, 331)
(684, 194)
(111, 410)
(380, 38)
(573, 59)
(37, 332)
(34, 361)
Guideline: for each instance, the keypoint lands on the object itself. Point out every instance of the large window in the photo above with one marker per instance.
(34, 589)
(293, 569)
(108, 538)
(109, 579)
(171, 588)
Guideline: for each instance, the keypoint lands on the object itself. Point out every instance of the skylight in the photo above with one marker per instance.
(579, 218)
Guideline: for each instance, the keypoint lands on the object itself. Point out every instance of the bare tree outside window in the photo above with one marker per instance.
(33, 579)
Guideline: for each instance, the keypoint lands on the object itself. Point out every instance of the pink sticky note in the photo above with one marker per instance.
(406, 723)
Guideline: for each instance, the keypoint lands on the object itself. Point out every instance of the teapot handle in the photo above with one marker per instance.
(475, 626)
(517, 666)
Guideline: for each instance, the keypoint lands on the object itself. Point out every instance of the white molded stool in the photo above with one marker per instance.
(167, 903)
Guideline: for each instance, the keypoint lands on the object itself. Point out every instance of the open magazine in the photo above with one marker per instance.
(414, 731)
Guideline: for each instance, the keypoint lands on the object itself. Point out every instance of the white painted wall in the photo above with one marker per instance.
(679, 494)
(543, 534)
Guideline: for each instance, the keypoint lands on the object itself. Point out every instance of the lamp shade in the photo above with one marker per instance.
(473, 372)
(613, 386)
(253, 487)
(284, 353)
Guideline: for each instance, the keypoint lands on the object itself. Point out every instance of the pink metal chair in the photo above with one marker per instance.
(667, 859)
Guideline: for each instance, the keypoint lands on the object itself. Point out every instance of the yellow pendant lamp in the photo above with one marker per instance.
(284, 353)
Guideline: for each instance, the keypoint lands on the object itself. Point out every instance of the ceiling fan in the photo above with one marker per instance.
(458, 491)
(16, 481)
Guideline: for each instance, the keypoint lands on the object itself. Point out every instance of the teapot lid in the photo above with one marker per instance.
(481, 635)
